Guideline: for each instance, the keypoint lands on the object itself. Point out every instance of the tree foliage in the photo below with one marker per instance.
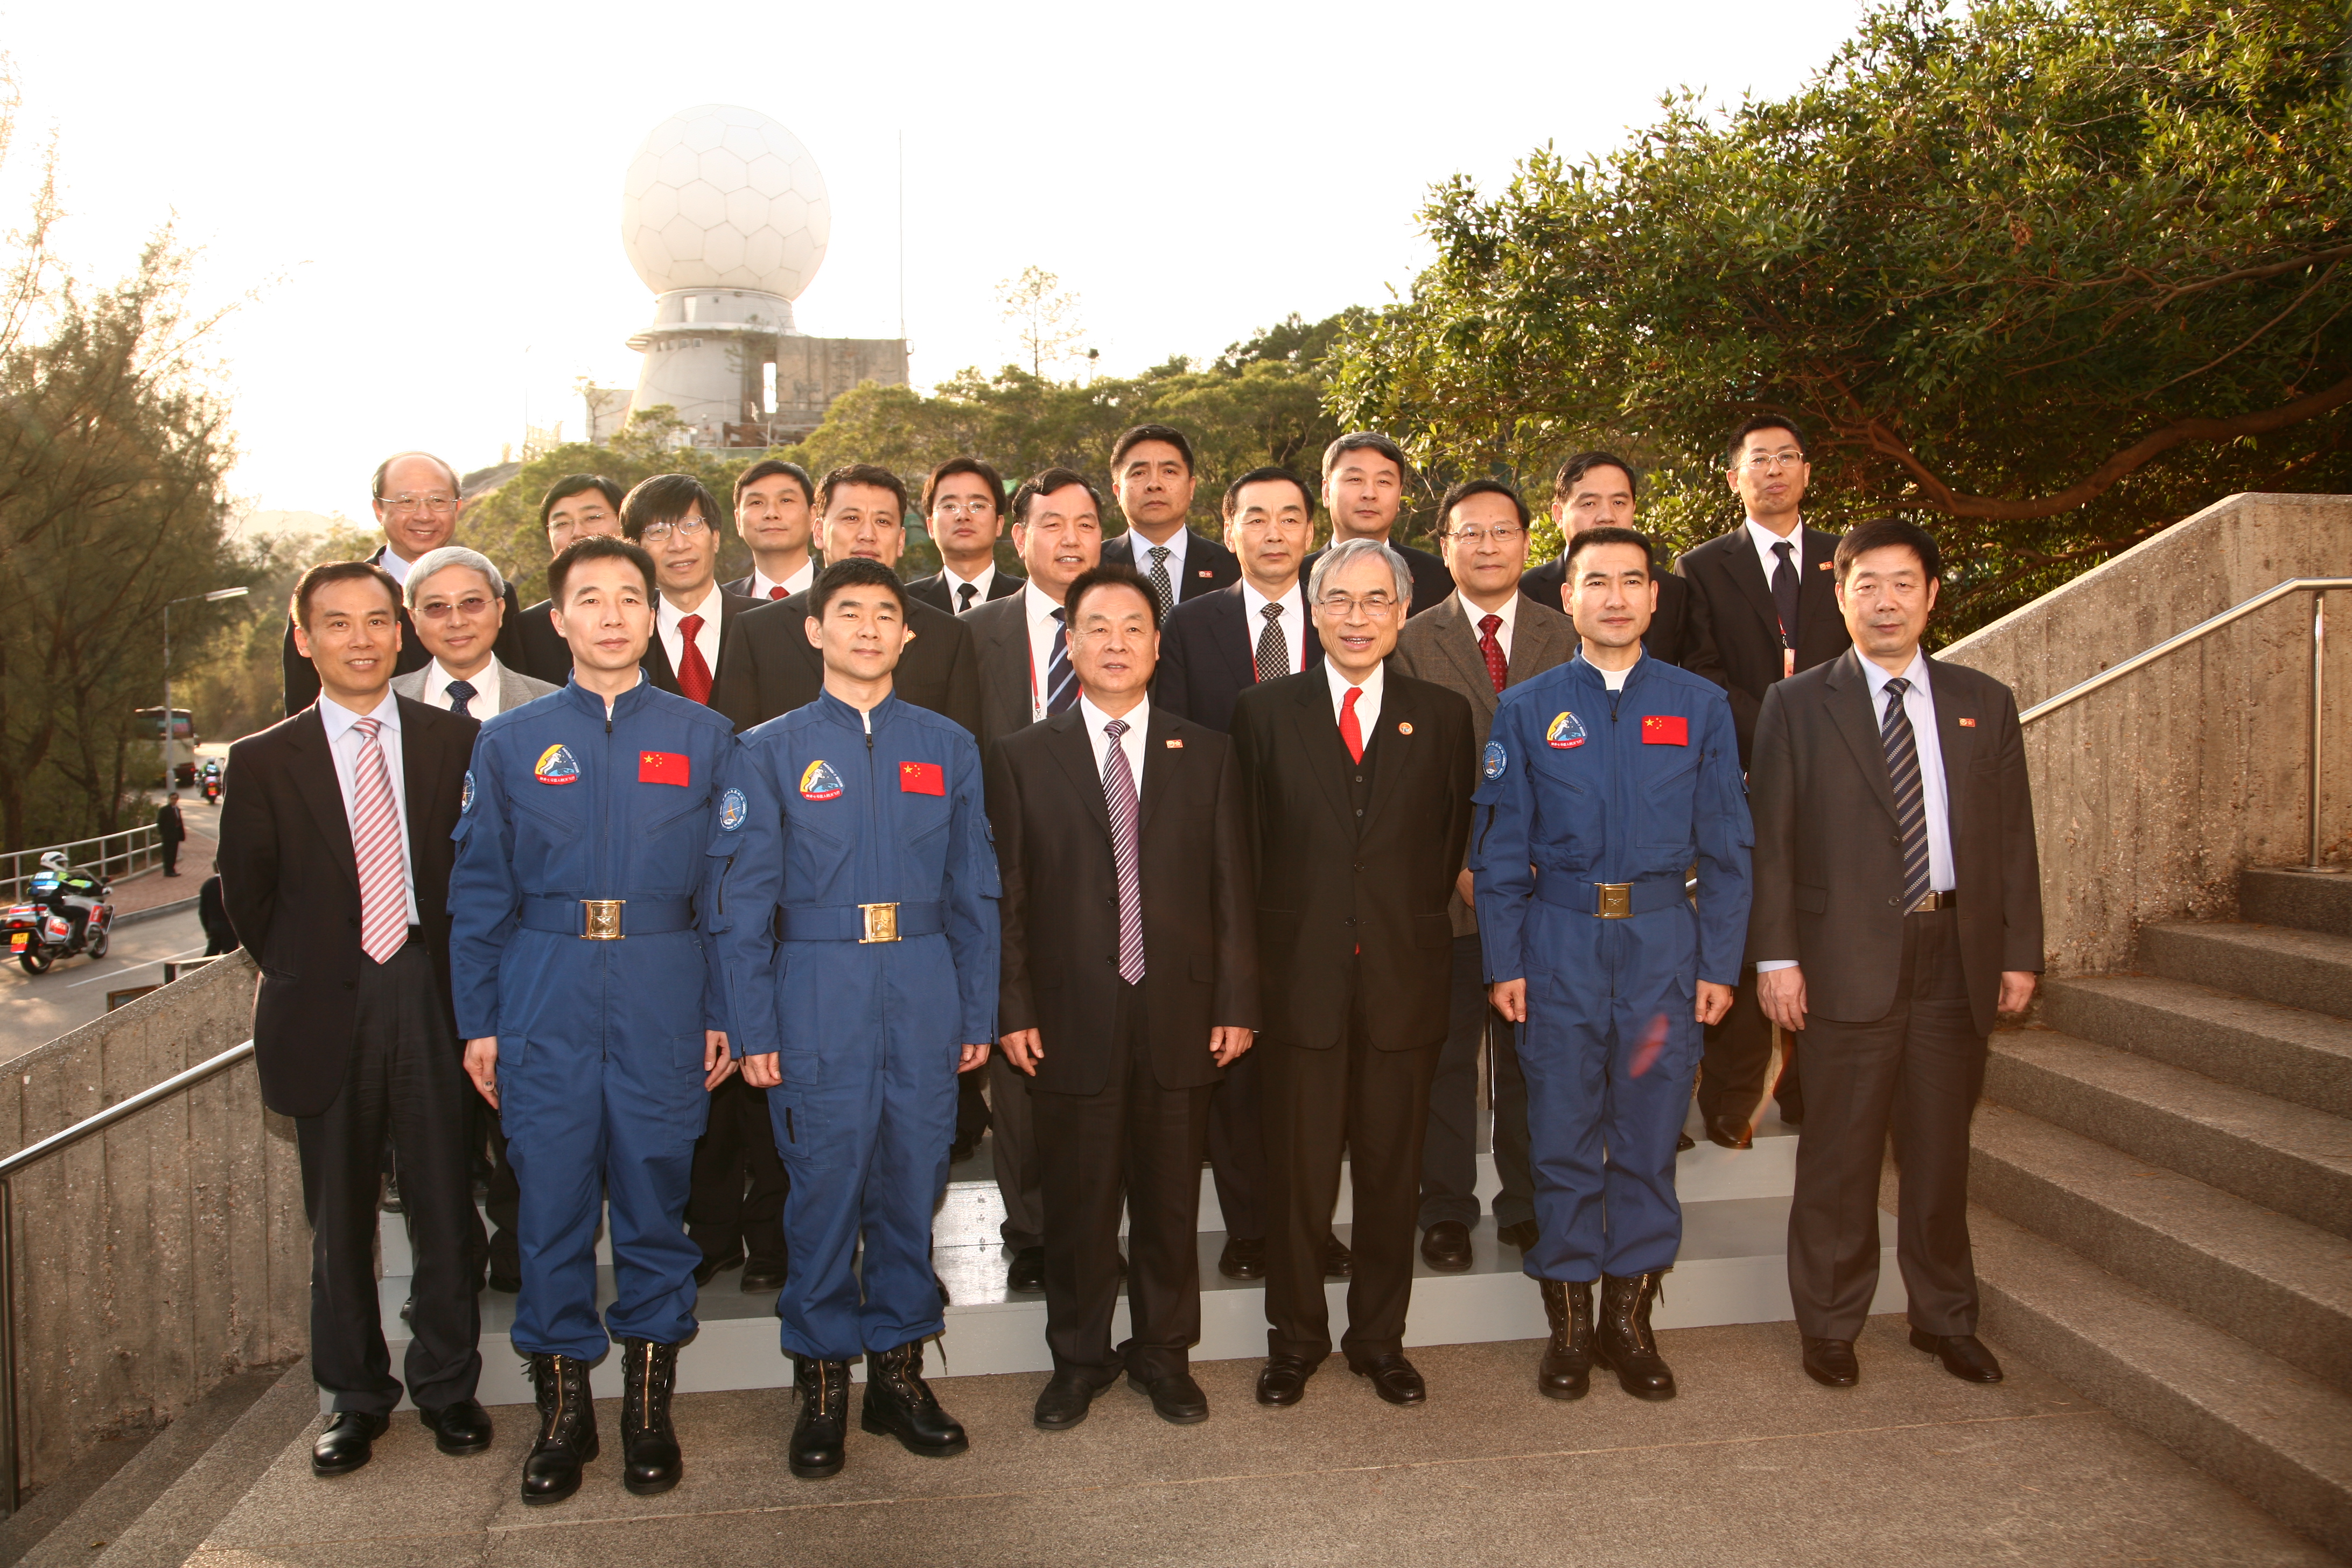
(2046, 276)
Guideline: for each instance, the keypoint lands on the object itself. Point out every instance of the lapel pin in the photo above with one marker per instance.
(1405, 729)
(1824, 565)
(1968, 723)
(1175, 745)
(1207, 572)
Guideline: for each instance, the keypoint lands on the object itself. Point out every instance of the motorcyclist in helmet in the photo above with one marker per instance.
(68, 892)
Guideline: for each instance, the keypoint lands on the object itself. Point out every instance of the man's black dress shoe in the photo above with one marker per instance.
(1028, 1270)
(1522, 1235)
(761, 1275)
(1282, 1379)
(347, 1442)
(1830, 1363)
(460, 1428)
(1393, 1378)
(1684, 1140)
(507, 1279)
(1338, 1263)
(1793, 1112)
(1445, 1246)
(1062, 1403)
(1243, 1258)
(1963, 1355)
(1174, 1395)
(1730, 1132)
(715, 1264)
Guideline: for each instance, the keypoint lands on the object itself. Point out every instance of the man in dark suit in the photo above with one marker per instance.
(677, 522)
(417, 500)
(964, 502)
(1772, 606)
(171, 832)
(775, 504)
(334, 860)
(1119, 832)
(1358, 787)
(574, 506)
(1595, 489)
(1478, 641)
(1151, 477)
(1364, 476)
(1897, 911)
(768, 666)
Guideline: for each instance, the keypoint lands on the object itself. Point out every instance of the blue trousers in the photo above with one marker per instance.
(1604, 1109)
(586, 1120)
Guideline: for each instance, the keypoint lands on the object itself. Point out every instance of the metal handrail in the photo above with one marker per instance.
(16, 1165)
(2317, 588)
(142, 848)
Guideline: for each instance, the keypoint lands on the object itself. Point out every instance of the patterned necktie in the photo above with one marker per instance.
(693, 675)
(1119, 794)
(1349, 730)
(375, 845)
(1910, 795)
(1784, 591)
(1499, 668)
(778, 592)
(461, 692)
(964, 591)
(1273, 648)
(1158, 575)
(1061, 680)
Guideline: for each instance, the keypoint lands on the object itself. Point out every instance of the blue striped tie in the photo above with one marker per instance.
(1061, 680)
(1119, 794)
(1910, 795)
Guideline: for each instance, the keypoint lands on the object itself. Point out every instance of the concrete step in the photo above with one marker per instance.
(2282, 898)
(2288, 1158)
(2275, 1433)
(2307, 969)
(2282, 1286)
(2288, 1053)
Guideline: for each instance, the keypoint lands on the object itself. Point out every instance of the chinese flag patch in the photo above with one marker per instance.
(921, 778)
(664, 767)
(1665, 729)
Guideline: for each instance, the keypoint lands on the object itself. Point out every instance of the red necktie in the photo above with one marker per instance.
(375, 845)
(777, 591)
(1349, 730)
(693, 675)
(1499, 668)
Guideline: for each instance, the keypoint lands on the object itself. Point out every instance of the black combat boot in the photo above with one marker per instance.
(1566, 1370)
(822, 1430)
(567, 1428)
(649, 1456)
(899, 1404)
(1624, 1340)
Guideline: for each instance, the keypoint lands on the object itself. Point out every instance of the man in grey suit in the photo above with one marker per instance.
(457, 599)
(1479, 640)
(1025, 674)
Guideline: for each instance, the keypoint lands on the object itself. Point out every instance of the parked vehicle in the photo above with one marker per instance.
(68, 913)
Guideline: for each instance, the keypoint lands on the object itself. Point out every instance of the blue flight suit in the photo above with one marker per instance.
(828, 809)
(1582, 786)
(600, 1042)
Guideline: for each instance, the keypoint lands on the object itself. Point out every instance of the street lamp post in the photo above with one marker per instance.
(214, 597)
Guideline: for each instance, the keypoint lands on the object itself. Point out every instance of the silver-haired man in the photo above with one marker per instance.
(458, 601)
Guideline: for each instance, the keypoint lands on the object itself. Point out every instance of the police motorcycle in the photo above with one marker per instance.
(68, 913)
(212, 776)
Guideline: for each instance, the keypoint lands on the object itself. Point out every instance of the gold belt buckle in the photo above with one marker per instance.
(1616, 901)
(600, 919)
(881, 923)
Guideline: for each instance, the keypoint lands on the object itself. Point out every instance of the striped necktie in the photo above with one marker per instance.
(1061, 680)
(1119, 794)
(1910, 795)
(375, 844)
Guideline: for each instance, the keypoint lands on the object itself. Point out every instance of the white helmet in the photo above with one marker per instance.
(54, 861)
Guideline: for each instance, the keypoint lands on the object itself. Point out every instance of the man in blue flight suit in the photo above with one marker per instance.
(1604, 779)
(590, 1006)
(853, 896)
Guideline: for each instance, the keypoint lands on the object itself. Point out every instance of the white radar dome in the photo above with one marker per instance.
(724, 197)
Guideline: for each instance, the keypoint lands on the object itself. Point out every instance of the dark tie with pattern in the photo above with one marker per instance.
(1499, 668)
(1910, 795)
(1061, 680)
(1273, 648)
(1118, 794)
(461, 692)
(964, 591)
(1160, 585)
(1784, 591)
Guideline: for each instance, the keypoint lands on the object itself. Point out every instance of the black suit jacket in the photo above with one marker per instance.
(299, 682)
(1060, 965)
(934, 590)
(1725, 574)
(767, 665)
(656, 661)
(1431, 580)
(1829, 849)
(1208, 565)
(170, 827)
(1342, 906)
(1208, 656)
(545, 655)
(290, 879)
(1000, 640)
(1682, 632)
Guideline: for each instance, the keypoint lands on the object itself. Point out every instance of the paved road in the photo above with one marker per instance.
(37, 1009)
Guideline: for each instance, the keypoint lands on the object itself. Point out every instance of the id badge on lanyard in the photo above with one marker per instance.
(1788, 661)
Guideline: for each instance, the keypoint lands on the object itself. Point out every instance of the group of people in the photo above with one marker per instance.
(1192, 849)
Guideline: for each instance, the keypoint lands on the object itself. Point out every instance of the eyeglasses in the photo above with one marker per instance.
(684, 528)
(399, 505)
(1507, 534)
(1761, 462)
(466, 608)
(1376, 604)
(964, 509)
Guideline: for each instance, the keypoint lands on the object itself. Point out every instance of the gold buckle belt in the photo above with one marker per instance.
(1612, 900)
(1945, 901)
(600, 919)
(881, 923)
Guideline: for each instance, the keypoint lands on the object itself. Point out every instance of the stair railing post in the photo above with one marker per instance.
(2319, 729)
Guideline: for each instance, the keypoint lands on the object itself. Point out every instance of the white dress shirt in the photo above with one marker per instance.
(1174, 545)
(979, 586)
(1508, 610)
(1039, 612)
(483, 704)
(1295, 632)
(667, 618)
(1764, 538)
(343, 739)
(1368, 706)
(389, 559)
(1139, 719)
(765, 587)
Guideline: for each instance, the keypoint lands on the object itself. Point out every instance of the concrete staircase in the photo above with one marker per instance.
(2163, 1176)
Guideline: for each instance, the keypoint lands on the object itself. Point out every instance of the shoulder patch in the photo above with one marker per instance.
(734, 809)
(1497, 759)
(819, 782)
(466, 796)
(555, 766)
(1565, 732)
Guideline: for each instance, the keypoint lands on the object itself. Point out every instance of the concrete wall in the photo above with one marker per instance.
(167, 1252)
(2153, 793)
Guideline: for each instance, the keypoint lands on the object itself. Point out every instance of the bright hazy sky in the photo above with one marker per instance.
(427, 197)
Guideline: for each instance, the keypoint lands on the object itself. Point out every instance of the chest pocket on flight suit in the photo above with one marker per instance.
(1668, 781)
(1567, 828)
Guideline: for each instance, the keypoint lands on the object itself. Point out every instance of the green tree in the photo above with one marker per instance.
(2046, 276)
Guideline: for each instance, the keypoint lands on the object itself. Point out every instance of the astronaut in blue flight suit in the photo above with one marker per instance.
(1605, 779)
(591, 1004)
(853, 896)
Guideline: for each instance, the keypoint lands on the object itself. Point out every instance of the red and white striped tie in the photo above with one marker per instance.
(375, 841)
